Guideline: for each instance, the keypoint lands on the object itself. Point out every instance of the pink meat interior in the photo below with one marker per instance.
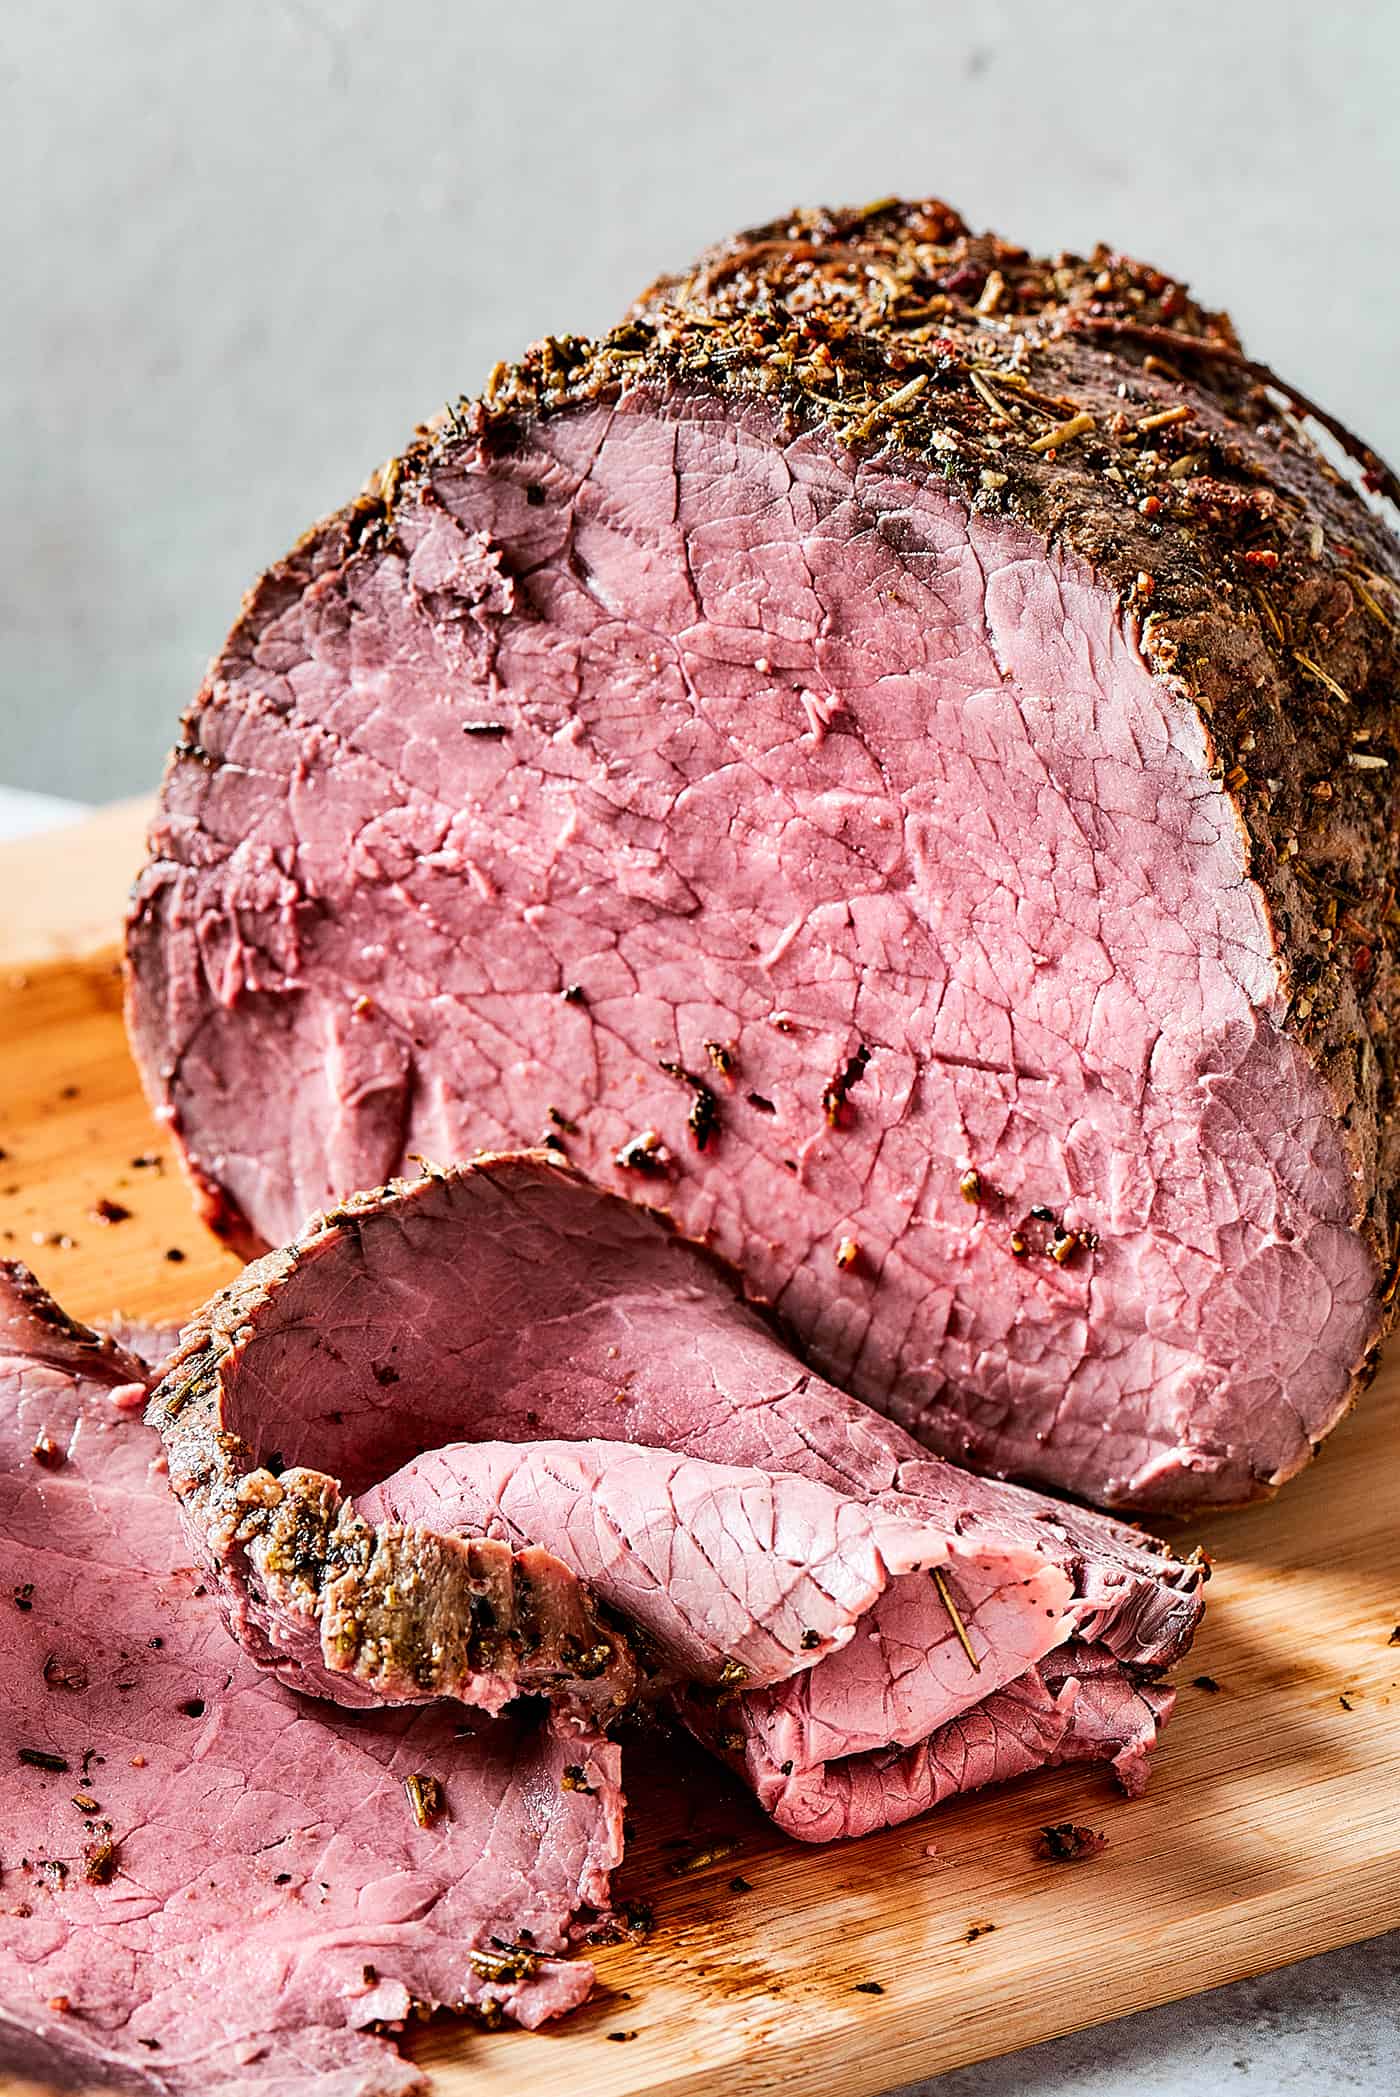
(792, 757)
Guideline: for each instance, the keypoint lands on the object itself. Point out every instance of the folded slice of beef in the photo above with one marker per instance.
(1078, 1705)
(505, 1354)
(208, 1884)
(739, 1574)
(889, 755)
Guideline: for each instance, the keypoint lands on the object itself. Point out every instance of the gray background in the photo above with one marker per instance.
(247, 247)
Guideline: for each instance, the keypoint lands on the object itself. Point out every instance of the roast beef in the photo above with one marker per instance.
(889, 755)
(206, 1883)
(505, 1356)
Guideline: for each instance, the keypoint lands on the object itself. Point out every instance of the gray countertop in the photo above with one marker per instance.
(1326, 2025)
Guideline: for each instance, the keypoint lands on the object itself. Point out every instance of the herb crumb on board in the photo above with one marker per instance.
(1063, 1842)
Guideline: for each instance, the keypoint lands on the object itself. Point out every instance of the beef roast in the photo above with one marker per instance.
(887, 755)
(206, 1883)
(505, 1356)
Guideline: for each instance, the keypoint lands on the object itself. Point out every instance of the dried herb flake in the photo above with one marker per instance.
(836, 1097)
(945, 1597)
(1063, 1842)
(698, 1859)
(425, 1798)
(644, 1154)
(504, 1962)
(703, 1119)
(100, 1861)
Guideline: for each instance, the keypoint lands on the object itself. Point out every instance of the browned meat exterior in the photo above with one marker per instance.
(506, 1357)
(890, 756)
(207, 1884)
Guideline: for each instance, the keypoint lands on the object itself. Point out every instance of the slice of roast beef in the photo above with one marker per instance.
(739, 1574)
(152, 1343)
(888, 755)
(422, 1353)
(206, 1883)
(865, 1656)
(1078, 1705)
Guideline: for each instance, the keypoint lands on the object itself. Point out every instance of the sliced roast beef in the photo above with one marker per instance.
(151, 1343)
(1078, 1705)
(888, 755)
(505, 1355)
(206, 1883)
(739, 1574)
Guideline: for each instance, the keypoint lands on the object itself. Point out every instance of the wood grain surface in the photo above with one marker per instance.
(64, 891)
(1271, 1828)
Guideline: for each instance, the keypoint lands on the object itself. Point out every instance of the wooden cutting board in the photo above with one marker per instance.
(1271, 1828)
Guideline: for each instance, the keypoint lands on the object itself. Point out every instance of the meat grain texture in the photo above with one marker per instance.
(208, 1884)
(505, 1358)
(888, 755)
